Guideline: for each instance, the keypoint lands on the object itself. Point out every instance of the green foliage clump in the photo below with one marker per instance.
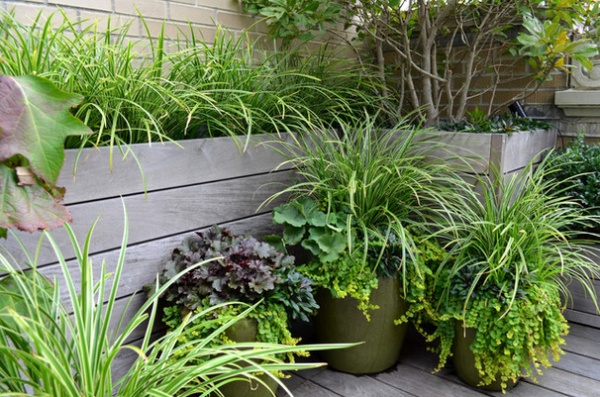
(240, 271)
(150, 90)
(578, 175)
(66, 339)
(296, 19)
(318, 232)
(513, 339)
(512, 253)
(363, 199)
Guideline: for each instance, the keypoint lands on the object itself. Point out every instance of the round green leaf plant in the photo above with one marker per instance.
(343, 264)
(360, 187)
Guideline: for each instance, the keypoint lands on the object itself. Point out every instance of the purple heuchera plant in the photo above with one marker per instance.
(245, 270)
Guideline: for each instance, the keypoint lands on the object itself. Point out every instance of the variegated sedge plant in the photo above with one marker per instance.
(515, 244)
(56, 347)
(363, 205)
(167, 88)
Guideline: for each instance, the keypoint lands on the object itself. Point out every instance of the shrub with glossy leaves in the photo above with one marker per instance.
(578, 174)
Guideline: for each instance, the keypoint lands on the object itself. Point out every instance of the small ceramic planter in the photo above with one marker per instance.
(245, 330)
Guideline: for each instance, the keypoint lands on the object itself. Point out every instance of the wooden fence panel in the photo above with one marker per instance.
(183, 189)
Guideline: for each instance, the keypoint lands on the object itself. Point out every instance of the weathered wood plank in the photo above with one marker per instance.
(581, 300)
(580, 365)
(522, 147)
(161, 213)
(583, 318)
(584, 332)
(311, 389)
(583, 346)
(87, 175)
(474, 152)
(557, 380)
(465, 152)
(293, 382)
(423, 383)
(350, 385)
(526, 389)
(144, 261)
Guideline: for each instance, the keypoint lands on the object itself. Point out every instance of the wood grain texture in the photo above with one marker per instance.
(522, 147)
(183, 189)
(575, 375)
(161, 213)
(87, 174)
(477, 152)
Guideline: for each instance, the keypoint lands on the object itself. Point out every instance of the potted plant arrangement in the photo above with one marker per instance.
(66, 337)
(242, 271)
(496, 298)
(362, 202)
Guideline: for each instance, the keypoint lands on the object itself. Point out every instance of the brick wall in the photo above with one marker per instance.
(204, 15)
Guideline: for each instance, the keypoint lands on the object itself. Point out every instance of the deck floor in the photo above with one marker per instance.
(576, 374)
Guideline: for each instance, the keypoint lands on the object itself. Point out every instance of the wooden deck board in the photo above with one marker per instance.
(576, 374)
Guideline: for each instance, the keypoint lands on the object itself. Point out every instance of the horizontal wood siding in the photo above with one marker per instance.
(184, 187)
(477, 153)
(581, 308)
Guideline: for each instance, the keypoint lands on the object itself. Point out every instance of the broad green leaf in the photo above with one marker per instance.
(307, 205)
(276, 242)
(312, 246)
(318, 219)
(34, 122)
(330, 243)
(312, 6)
(29, 207)
(288, 214)
(292, 235)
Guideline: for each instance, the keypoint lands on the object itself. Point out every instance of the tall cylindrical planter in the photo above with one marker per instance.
(340, 321)
(245, 330)
(464, 359)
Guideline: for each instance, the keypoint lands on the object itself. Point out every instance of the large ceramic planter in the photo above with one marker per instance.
(245, 330)
(339, 321)
(464, 359)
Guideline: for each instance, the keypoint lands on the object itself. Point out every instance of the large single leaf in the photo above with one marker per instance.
(34, 122)
(29, 207)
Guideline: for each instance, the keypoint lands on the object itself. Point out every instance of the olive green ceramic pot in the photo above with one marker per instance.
(246, 330)
(464, 359)
(339, 321)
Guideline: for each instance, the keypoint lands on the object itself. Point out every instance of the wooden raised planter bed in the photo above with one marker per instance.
(202, 183)
(580, 308)
(478, 153)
